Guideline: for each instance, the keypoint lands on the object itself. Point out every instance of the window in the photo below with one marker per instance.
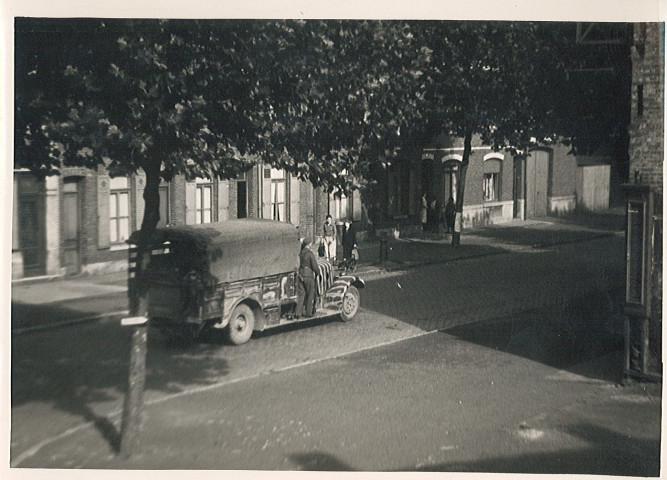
(204, 202)
(491, 181)
(490, 187)
(450, 172)
(339, 207)
(164, 205)
(241, 196)
(119, 209)
(278, 195)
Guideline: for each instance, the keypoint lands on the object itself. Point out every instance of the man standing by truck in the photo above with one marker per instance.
(306, 285)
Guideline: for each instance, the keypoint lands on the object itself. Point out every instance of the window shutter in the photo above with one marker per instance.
(223, 200)
(190, 200)
(103, 211)
(266, 193)
(295, 200)
(140, 205)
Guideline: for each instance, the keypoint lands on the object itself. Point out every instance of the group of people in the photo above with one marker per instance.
(308, 267)
(330, 240)
(430, 214)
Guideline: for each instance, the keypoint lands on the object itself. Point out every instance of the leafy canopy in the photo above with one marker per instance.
(205, 98)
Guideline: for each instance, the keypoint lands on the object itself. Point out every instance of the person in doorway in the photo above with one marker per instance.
(306, 282)
(349, 240)
(423, 212)
(450, 214)
(433, 215)
(329, 237)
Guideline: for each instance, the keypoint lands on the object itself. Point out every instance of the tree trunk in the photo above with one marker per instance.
(463, 170)
(138, 299)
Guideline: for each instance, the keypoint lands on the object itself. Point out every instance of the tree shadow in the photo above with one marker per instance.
(27, 316)
(576, 331)
(83, 370)
(319, 461)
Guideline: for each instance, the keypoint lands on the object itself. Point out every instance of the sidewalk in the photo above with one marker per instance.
(63, 301)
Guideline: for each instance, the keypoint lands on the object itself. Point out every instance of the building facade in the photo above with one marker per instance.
(499, 187)
(79, 221)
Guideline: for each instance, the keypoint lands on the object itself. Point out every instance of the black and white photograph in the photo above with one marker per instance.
(283, 242)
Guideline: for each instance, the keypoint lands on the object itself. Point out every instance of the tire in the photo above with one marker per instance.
(350, 304)
(241, 325)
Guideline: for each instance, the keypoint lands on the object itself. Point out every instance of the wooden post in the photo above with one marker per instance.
(134, 397)
(133, 405)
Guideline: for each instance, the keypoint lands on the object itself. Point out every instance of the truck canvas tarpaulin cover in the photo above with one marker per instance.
(228, 251)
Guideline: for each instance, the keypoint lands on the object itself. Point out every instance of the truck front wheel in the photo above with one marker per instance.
(350, 304)
(241, 325)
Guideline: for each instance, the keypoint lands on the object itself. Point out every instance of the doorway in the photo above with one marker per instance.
(537, 177)
(32, 225)
(242, 198)
(71, 226)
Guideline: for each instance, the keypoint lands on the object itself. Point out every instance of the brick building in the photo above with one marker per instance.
(644, 205)
(78, 222)
(499, 187)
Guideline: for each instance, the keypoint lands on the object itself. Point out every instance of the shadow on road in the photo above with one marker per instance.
(318, 461)
(608, 454)
(77, 369)
(52, 314)
(573, 332)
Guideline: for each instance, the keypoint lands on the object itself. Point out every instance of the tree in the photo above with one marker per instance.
(487, 79)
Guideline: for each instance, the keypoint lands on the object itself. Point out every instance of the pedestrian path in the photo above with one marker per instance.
(61, 290)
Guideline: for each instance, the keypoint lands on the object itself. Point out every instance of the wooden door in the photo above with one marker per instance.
(71, 226)
(32, 225)
(537, 176)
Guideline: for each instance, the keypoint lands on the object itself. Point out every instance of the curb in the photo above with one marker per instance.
(371, 272)
(69, 323)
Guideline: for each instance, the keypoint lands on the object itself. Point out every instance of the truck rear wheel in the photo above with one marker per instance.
(241, 324)
(350, 304)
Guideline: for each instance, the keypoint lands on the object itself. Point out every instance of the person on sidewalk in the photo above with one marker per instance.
(306, 282)
(433, 214)
(349, 245)
(329, 237)
(424, 212)
(349, 239)
(450, 214)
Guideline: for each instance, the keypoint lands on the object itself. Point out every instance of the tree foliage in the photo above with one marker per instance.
(330, 101)
(207, 98)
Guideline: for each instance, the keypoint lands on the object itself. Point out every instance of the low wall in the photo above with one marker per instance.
(562, 205)
(488, 213)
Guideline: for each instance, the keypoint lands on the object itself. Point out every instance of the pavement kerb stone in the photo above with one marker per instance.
(69, 323)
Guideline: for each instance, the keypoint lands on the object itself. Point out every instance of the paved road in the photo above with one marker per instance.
(64, 378)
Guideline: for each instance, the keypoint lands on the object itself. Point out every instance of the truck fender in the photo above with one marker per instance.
(333, 297)
(252, 302)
